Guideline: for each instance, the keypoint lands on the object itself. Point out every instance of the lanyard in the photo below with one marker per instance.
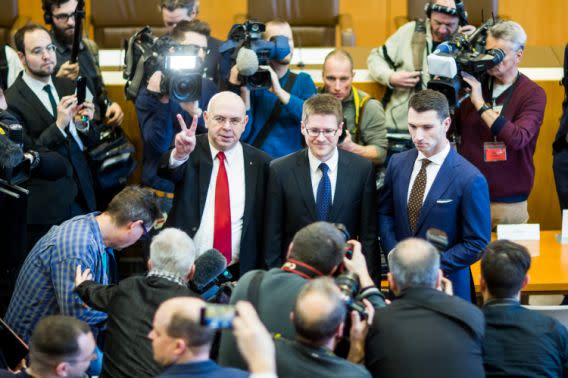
(509, 91)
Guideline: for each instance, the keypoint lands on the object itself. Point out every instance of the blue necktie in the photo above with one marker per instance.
(323, 201)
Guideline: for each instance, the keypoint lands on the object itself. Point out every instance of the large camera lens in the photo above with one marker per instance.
(185, 88)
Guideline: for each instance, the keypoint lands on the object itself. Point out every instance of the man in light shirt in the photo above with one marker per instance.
(432, 186)
(219, 184)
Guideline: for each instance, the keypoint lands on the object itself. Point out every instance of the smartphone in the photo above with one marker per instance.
(217, 316)
(81, 89)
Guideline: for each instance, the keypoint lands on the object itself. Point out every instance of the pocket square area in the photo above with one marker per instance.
(448, 200)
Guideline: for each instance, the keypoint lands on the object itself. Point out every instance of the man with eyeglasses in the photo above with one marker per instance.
(60, 14)
(320, 183)
(60, 346)
(157, 114)
(48, 110)
(499, 126)
(46, 283)
(220, 184)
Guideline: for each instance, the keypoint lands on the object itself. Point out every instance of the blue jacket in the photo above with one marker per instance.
(457, 203)
(285, 136)
(203, 369)
(158, 127)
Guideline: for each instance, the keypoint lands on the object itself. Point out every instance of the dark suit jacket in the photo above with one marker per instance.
(426, 333)
(51, 202)
(457, 203)
(191, 185)
(290, 203)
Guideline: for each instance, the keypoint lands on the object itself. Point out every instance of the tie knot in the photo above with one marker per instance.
(47, 88)
(425, 163)
(324, 168)
(221, 156)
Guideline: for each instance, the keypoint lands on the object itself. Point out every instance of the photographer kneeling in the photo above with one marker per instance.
(317, 250)
(157, 110)
(499, 127)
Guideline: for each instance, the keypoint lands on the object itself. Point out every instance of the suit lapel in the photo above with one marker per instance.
(402, 191)
(342, 186)
(304, 182)
(205, 169)
(34, 102)
(441, 182)
(251, 172)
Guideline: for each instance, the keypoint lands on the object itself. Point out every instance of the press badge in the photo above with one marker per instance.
(494, 151)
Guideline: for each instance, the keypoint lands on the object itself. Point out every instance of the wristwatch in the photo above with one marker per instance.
(483, 109)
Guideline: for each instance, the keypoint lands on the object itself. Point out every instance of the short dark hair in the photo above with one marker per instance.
(503, 267)
(320, 245)
(320, 329)
(196, 26)
(172, 5)
(429, 99)
(55, 339)
(47, 5)
(193, 333)
(134, 203)
(21, 33)
(323, 104)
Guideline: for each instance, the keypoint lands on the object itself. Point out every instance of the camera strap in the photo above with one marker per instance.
(3, 68)
(301, 269)
(269, 125)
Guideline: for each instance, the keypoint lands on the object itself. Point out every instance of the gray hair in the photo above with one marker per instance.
(510, 31)
(172, 251)
(414, 263)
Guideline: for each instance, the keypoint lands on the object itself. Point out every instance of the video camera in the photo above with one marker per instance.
(180, 64)
(246, 48)
(461, 54)
(15, 166)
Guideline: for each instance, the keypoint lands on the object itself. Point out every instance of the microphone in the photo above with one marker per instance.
(208, 266)
(445, 48)
(247, 62)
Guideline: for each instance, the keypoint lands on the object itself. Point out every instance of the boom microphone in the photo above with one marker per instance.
(208, 266)
(247, 62)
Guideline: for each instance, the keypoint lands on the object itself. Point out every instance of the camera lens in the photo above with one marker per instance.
(186, 88)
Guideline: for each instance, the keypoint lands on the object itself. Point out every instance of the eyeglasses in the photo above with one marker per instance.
(39, 51)
(326, 132)
(63, 16)
(234, 121)
(198, 48)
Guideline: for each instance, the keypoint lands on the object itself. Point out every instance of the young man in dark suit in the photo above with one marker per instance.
(219, 184)
(48, 110)
(320, 183)
(432, 186)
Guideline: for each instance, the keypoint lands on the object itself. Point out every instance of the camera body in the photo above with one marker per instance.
(15, 167)
(461, 54)
(348, 283)
(249, 36)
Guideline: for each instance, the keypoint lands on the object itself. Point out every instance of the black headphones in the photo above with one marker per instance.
(47, 16)
(458, 11)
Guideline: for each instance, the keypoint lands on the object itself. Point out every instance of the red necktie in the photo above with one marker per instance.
(222, 233)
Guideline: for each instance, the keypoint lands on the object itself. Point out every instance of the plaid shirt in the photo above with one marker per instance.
(46, 282)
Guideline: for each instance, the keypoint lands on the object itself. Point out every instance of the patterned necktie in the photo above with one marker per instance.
(47, 88)
(222, 230)
(323, 201)
(417, 195)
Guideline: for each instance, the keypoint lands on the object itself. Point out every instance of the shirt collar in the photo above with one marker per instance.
(36, 85)
(168, 276)
(331, 163)
(437, 159)
(230, 155)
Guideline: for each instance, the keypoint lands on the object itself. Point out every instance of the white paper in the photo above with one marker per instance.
(564, 233)
(518, 231)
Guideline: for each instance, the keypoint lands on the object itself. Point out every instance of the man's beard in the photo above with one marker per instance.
(40, 72)
(62, 37)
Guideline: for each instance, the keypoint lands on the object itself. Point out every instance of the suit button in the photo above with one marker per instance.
(194, 229)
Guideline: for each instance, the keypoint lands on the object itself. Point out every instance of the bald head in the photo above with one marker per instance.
(319, 311)
(224, 99)
(414, 263)
(225, 120)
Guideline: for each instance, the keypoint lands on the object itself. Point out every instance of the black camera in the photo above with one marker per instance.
(15, 166)
(348, 284)
(461, 54)
(347, 248)
(246, 48)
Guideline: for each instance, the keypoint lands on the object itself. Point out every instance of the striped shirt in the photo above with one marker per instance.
(47, 279)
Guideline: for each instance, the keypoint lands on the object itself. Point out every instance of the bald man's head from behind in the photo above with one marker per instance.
(176, 335)
(225, 120)
(319, 313)
(414, 263)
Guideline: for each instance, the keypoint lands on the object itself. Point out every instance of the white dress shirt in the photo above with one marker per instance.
(37, 88)
(432, 169)
(316, 173)
(235, 167)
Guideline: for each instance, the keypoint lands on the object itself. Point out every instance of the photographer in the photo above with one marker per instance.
(60, 14)
(316, 250)
(182, 344)
(499, 126)
(157, 112)
(275, 113)
(424, 332)
(319, 320)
